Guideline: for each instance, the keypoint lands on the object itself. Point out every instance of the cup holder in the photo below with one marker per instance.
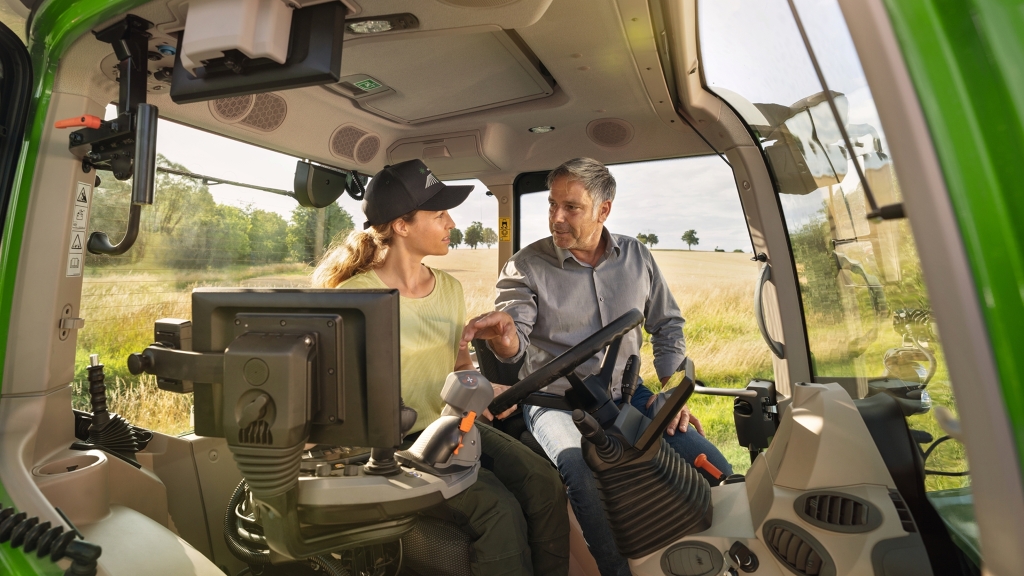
(73, 464)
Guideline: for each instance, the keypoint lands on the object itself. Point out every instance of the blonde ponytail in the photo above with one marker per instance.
(360, 252)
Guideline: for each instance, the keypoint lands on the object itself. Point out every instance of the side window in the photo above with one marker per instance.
(687, 211)
(865, 305)
(198, 232)
(473, 258)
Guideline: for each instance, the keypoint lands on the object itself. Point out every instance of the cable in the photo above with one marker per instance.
(694, 128)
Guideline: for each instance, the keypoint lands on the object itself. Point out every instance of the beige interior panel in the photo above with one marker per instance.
(134, 544)
(470, 69)
(38, 360)
(171, 459)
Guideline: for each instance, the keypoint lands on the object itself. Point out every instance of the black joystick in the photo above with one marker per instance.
(608, 448)
(108, 431)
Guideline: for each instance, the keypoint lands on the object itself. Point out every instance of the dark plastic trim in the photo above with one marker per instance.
(874, 519)
(15, 96)
(828, 566)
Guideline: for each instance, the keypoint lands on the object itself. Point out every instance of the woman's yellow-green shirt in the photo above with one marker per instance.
(431, 328)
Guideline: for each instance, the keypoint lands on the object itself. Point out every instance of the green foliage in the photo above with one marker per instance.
(474, 235)
(690, 237)
(738, 250)
(267, 237)
(454, 237)
(302, 230)
(489, 237)
(648, 239)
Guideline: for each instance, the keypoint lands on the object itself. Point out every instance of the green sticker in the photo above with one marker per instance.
(368, 84)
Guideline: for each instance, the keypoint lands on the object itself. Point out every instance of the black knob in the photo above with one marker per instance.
(139, 363)
(608, 449)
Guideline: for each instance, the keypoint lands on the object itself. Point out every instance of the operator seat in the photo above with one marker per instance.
(902, 456)
(505, 373)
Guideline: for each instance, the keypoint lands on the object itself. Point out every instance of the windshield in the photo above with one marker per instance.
(865, 306)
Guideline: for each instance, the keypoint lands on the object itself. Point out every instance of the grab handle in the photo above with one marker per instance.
(766, 275)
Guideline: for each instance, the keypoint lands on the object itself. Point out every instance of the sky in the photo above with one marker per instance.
(665, 197)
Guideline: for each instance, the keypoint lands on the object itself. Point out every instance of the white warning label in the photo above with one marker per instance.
(79, 229)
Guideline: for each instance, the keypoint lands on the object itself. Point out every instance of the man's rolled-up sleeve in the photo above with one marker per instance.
(518, 298)
(664, 321)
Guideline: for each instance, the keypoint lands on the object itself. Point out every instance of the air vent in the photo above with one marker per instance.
(838, 512)
(797, 549)
(256, 433)
(610, 132)
(262, 112)
(353, 143)
(906, 519)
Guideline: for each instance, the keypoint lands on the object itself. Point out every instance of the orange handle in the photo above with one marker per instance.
(464, 426)
(702, 462)
(467, 422)
(88, 120)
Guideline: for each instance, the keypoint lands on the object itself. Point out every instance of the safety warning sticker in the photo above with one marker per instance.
(79, 229)
(505, 229)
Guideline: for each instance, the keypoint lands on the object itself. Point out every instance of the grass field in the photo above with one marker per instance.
(714, 292)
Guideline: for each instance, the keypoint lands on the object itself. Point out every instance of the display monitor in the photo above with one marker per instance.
(346, 377)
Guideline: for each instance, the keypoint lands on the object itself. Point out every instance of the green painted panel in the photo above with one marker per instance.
(964, 59)
(55, 25)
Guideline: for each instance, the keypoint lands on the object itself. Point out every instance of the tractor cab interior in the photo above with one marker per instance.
(829, 388)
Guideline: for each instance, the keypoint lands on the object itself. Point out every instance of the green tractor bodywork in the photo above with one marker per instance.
(964, 59)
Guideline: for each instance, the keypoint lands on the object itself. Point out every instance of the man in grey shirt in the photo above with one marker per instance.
(558, 291)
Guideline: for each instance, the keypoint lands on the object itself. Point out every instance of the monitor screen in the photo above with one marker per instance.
(349, 386)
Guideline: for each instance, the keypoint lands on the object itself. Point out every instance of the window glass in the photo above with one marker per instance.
(200, 233)
(473, 259)
(712, 277)
(865, 305)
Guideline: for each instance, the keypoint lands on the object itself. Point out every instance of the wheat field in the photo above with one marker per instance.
(714, 291)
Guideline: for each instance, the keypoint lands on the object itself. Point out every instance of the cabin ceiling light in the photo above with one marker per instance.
(370, 26)
(541, 129)
(387, 23)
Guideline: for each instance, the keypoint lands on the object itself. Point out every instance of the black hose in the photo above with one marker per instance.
(330, 565)
(237, 548)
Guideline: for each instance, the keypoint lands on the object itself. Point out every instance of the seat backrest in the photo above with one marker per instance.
(493, 369)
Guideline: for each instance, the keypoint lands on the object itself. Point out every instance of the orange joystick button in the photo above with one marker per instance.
(87, 120)
(702, 462)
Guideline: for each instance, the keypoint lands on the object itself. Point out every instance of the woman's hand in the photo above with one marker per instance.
(498, 389)
(497, 328)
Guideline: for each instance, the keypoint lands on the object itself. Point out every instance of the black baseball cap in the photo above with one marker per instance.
(399, 189)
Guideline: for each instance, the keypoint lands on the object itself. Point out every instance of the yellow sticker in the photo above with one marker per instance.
(505, 229)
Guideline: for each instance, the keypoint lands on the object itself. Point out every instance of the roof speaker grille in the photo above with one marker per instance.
(610, 132)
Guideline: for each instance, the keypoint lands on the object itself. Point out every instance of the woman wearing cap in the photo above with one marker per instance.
(516, 511)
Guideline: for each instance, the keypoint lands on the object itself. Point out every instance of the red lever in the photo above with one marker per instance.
(88, 120)
(702, 462)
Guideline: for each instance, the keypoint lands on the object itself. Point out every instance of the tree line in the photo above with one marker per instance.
(186, 229)
(474, 236)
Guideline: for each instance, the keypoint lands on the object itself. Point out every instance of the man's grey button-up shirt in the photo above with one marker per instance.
(557, 301)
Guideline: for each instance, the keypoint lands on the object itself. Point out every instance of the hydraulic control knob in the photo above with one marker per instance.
(253, 411)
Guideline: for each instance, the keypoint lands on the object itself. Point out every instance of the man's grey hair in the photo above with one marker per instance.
(594, 176)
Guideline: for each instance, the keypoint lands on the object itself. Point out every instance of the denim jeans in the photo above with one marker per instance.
(556, 433)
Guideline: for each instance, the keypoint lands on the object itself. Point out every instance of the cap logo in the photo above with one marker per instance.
(431, 180)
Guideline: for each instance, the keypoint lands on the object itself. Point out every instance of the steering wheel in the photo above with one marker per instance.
(566, 362)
